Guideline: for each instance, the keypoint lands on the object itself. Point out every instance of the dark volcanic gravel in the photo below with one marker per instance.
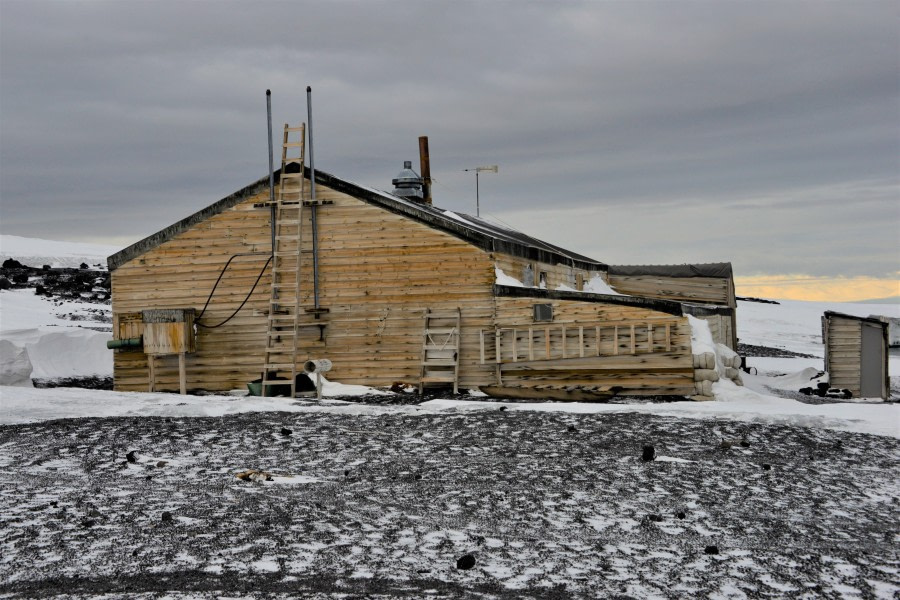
(750, 350)
(385, 506)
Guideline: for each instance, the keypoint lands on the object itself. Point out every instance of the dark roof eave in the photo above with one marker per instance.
(871, 320)
(151, 241)
(484, 241)
(666, 306)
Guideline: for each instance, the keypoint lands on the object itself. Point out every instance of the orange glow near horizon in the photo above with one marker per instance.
(816, 289)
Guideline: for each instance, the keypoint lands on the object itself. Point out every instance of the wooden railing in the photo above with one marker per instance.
(570, 340)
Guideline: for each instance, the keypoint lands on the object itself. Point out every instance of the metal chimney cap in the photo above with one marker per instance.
(407, 177)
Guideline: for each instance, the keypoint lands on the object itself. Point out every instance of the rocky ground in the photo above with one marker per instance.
(538, 504)
(88, 284)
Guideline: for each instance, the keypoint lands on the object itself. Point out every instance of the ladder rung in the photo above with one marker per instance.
(292, 145)
(438, 379)
(439, 363)
(441, 330)
(287, 221)
(298, 128)
(278, 366)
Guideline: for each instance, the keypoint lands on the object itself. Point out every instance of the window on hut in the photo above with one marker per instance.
(543, 312)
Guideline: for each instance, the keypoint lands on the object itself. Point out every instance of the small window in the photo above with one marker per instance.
(543, 312)
(543, 280)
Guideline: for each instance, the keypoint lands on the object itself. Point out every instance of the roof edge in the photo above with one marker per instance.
(872, 320)
(152, 241)
(381, 199)
(714, 270)
(666, 306)
(455, 228)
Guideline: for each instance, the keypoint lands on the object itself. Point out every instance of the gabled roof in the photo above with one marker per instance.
(478, 232)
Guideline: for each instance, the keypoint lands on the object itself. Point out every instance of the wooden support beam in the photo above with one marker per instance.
(182, 375)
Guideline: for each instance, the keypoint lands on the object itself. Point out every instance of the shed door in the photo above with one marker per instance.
(871, 375)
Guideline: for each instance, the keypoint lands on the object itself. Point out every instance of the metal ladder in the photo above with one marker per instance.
(440, 349)
(284, 305)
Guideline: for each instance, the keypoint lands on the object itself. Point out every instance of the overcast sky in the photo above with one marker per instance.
(762, 133)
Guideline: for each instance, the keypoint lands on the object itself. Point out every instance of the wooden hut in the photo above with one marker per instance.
(389, 289)
(856, 354)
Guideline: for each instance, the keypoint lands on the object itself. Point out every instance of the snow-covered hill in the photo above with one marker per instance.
(36, 252)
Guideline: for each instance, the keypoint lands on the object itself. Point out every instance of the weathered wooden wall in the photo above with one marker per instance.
(662, 371)
(843, 343)
(708, 290)
(378, 272)
(700, 290)
(180, 273)
(557, 274)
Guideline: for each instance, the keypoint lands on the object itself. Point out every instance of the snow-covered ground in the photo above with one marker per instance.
(549, 498)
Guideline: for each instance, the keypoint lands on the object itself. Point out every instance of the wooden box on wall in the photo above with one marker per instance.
(169, 331)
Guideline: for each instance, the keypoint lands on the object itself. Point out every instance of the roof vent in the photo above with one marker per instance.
(407, 183)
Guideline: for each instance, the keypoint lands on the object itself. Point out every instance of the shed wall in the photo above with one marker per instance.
(843, 353)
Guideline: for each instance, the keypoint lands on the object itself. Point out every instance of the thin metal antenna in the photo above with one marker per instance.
(489, 169)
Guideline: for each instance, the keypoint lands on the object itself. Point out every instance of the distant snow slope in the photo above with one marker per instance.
(36, 252)
(797, 326)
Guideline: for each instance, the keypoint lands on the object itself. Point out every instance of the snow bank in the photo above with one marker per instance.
(597, 285)
(57, 346)
(64, 352)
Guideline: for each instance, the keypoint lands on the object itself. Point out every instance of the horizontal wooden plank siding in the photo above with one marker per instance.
(378, 273)
(710, 290)
(667, 369)
(181, 273)
(843, 353)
